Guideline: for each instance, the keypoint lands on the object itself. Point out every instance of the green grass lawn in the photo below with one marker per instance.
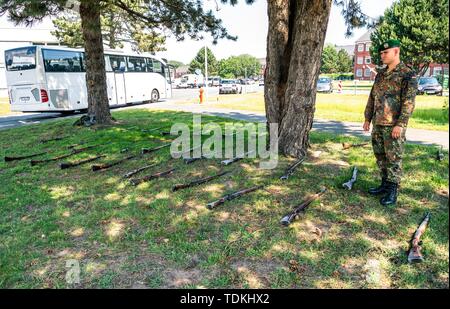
(125, 236)
(428, 113)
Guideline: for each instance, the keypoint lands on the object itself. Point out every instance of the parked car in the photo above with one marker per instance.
(230, 86)
(429, 85)
(324, 84)
(194, 80)
(261, 82)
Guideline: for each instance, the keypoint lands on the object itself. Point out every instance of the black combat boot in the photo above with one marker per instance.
(380, 189)
(391, 197)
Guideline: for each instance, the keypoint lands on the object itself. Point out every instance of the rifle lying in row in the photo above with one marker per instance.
(349, 184)
(137, 181)
(440, 154)
(134, 172)
(349, 145)
(229, 161)
(232, 196)
(148, 150)
(286, 220)
(197, 182)
(65, 165)
(154, 129)
(114, 163)
(181, 153)
(7, 158)
(190, 160)
(53, 139)
(415, 256)
(74, 152)
(99, 167)
(290, 170)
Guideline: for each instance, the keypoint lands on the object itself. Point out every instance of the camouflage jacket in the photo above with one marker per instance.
(392, 98)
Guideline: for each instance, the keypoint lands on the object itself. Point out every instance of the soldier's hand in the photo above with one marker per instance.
(396, 132)
(366, 126)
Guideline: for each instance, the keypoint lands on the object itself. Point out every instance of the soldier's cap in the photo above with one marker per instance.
(388, 44)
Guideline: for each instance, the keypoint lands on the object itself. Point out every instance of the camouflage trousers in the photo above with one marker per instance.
(388, 152)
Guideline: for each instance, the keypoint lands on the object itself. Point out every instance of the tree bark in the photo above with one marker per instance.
(98, 104)
(295, 42)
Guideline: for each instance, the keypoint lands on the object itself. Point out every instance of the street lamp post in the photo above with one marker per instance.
(206, 74)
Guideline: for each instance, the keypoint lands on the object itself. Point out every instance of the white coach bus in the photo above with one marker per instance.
(52, 79)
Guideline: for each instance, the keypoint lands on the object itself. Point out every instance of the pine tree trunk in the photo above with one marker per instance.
(295, 41)
(98, 105)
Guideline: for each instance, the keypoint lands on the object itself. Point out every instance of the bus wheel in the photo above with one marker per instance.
(155, 96)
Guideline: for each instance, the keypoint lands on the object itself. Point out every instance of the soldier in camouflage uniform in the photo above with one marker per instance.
(390, 104)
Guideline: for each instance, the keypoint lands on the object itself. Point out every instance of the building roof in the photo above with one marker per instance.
(365, 37)
(350, 49)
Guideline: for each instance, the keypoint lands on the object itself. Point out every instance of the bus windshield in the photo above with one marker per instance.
(20, 59)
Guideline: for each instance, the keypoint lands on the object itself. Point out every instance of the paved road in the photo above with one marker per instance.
(418, 136)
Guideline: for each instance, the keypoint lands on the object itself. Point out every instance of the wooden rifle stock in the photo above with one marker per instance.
(286, 220)
(135, 182)
(232, 196)
(197, 182)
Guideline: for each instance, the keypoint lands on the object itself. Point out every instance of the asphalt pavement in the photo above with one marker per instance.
(417, 136)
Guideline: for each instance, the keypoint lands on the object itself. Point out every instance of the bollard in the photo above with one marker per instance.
(201, 95)
(340, 87)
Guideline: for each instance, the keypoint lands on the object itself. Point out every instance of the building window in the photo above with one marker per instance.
(359, 60)
(367, 60)
(368, 47)
(367, 72)
(437, 71)
(360, 47)
(359, 73)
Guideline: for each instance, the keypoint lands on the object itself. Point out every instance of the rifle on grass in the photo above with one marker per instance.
(154, 129)
(232, 196)
(134, 172)
(7, 159)
(148, 150)
(75, 145)
(286, 220)
(349, 145)
(74, 152)
(237, 158)
(197, 182)
(65, 165)
(290, 170)
(137, 181)
(99, 167)
(53, 139)
(440, 155)
(190, 160)
(415, 256)
(349, 184)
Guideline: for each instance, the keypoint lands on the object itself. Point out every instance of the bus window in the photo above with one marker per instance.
(63, 61)
(149, 64)
(158, 67)
(136, 64)
(21, 59)
(117, 63)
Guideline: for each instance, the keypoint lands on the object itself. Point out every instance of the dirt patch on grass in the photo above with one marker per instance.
(255, 274)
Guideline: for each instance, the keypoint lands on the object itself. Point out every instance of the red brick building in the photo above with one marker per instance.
(364, 69)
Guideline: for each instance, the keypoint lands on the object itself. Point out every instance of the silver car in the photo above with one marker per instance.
(324, 84)
(230, 86)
